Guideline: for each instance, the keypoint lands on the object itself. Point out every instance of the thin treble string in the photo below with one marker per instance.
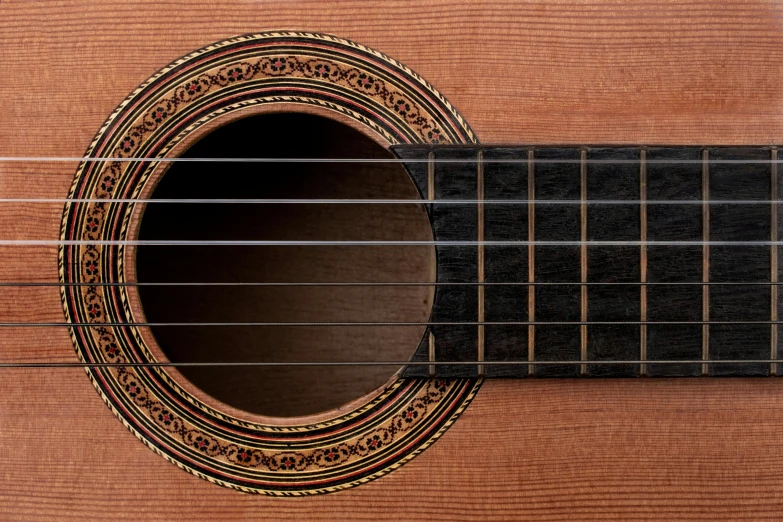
(318, 243)
(472, 202)
(436, 160)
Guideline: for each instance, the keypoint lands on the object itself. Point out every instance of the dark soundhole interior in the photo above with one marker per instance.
(285, 391)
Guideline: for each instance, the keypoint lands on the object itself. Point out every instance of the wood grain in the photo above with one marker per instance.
(572, 71)
(550, 450)
(569, 71)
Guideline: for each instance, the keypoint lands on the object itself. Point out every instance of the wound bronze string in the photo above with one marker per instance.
(391, 283)
(378, 363)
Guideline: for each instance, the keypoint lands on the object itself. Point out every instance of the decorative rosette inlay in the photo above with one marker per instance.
(219, 81)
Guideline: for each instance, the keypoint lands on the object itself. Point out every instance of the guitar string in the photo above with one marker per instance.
(443, 243)
(540, 161)
(381, 323)
(380, 284)
(457, 202)
(471, 202)
(379, 363)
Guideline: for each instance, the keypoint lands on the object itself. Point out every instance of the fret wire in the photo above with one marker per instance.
(643, 259)
(583, 259)
(583, 363)
(583, 286)
(480, 233)
(705, 290)
(773, 262)
(531, 262)
(431, 197)
(165, 364)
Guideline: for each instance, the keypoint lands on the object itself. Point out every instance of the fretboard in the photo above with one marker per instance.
(601, 261)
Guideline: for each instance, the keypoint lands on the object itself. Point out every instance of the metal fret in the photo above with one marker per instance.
(531, 263)
(670, 323)
(430, 197)
(705, 259)
(583, 258)
(773, 262)
(480, 211)
(643, 258)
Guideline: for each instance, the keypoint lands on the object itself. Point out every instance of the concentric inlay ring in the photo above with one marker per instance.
(270, 68)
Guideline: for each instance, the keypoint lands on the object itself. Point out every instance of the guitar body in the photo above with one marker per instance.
(568, 73)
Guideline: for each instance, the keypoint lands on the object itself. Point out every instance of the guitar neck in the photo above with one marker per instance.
(601, 261)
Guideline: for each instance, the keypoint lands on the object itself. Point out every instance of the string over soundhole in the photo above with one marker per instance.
(286, 391)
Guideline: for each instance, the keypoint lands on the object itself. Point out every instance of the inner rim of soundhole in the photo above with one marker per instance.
(286, 391)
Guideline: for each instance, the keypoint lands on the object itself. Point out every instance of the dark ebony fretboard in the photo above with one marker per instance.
(573, 287)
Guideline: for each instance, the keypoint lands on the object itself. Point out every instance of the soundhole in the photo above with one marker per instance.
(285, 391)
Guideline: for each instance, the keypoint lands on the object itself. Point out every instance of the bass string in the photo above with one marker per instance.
(384, 283)
(68, 364)
(434, 243)
(441, 243)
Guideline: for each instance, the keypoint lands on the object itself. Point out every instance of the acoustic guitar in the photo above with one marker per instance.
(393, 260)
